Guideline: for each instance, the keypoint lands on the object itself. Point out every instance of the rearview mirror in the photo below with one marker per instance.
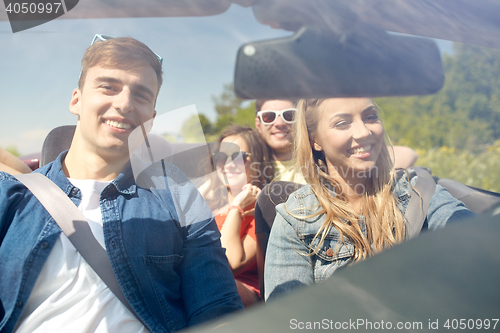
(313, 63)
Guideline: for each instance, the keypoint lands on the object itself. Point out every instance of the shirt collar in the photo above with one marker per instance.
(124, 183)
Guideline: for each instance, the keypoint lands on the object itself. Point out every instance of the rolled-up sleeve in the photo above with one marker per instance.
(444, 208)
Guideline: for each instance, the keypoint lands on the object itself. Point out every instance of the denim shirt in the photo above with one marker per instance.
(163, 245)
(288, 265)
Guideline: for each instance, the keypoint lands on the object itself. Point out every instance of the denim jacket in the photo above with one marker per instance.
(163, 245)
(286, 266)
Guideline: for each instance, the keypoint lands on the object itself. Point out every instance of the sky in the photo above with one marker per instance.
(39, 67)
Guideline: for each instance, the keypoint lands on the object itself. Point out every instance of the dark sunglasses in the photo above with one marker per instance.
(269, 117)
(219, 158)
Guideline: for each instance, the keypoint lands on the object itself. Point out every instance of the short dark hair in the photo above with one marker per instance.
(260, 102)
(123, 53)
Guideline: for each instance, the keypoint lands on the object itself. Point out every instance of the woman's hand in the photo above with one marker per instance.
(247, 197)
(241, 253)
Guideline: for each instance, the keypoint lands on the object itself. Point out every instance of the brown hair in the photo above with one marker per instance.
(261, 167)
(383, 221)
(260, 102)
(124, 53)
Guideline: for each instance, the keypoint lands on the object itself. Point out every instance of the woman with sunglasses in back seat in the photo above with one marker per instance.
(243, 164)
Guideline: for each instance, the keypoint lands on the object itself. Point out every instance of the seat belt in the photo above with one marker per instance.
(416, 212)
(74, 225)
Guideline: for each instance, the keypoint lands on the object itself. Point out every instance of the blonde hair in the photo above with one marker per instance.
(383, 221)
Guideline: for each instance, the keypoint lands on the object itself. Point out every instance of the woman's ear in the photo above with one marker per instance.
(317, 147)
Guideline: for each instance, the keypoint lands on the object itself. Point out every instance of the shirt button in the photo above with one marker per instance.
(74, 191)
(329, 253)
(19, 304)
(44, 245)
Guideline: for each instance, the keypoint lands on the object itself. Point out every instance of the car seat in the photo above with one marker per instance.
(57, 141)
(477, 200)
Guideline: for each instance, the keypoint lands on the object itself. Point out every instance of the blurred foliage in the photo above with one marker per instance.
(479, 169)
(226, 103)
(195, 127)
(464, 114)
(13, 150)
(230, 110)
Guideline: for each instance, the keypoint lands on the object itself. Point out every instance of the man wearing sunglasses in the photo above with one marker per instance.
(273, 120)
(162, 242)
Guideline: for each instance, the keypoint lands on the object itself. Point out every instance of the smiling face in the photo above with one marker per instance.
(235, 174)
(112, 103)
(277, 136)
(350, 134)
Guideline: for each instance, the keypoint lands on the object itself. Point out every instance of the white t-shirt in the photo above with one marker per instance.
(68, 295)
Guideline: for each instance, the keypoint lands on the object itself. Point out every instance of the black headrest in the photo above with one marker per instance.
(58, 140)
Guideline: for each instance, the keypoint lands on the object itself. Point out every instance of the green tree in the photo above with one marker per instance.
(227, 103)
(465, 114)
(231, 110)
(473, 169)
(245, 116)
(190, 130)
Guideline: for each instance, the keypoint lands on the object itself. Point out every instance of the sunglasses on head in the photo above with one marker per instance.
(101, 37)
(219, 158)
(269, 117)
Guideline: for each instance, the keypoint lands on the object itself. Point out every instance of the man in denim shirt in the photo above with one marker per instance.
(162, 241)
